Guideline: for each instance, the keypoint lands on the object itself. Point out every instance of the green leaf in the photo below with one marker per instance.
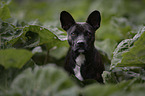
(58, 53)
(58, 32)
(136, 55)
(4, 12)
(123, 88)
(129, 45)
(127, 85)
(134, 87)
(14, 57)
(43, 81)
(109, 77)
(46, 36)
(99, 90)
(9, 34)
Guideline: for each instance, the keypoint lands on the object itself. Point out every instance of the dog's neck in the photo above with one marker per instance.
(80, 59)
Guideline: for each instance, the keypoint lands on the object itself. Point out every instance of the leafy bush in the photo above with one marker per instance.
(32, 51)
(44, 81)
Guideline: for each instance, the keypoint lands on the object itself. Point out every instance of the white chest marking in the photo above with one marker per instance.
(79, 61)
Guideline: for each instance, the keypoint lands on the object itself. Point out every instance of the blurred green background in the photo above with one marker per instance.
(119, 17)
(31, 38)
(119, 14)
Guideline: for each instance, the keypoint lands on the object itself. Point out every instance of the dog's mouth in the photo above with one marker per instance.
(79, 49)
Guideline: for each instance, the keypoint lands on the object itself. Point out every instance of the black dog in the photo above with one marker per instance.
(83, 60)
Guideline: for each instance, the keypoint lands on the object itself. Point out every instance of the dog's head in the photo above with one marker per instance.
(81, 36)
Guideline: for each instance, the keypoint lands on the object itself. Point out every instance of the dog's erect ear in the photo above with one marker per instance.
(94, 19)
(66, 20)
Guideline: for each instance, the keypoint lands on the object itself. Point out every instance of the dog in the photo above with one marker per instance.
(83, 59)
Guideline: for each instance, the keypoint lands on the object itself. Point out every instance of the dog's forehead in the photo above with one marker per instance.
(81, 27)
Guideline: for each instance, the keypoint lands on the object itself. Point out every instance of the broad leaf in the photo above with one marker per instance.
(46, 36)
(4, 13)
(120, 89)
(99, 90)
(130, 88)
(43, 81)
(9, 34)
(58, 53)
(129, 45)
(109, 77)
(136, 55)
(14, 57)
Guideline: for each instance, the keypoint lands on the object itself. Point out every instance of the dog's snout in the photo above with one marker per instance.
(80, 42)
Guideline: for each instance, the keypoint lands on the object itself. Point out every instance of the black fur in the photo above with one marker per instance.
(81, 37)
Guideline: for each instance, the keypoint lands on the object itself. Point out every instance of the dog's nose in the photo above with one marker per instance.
(80, 42)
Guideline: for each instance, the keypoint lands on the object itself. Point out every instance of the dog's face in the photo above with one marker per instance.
(81, 36)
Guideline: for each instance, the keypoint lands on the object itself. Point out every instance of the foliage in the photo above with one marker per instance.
(33, 48)
(4, 13)
(9, 59)
(44, 81)
(129, 88)
(135, 56)
(130, 52)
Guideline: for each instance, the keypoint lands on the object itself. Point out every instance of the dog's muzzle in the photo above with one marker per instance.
(80, 46)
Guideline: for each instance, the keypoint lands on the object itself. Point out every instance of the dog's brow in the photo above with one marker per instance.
(72, 29)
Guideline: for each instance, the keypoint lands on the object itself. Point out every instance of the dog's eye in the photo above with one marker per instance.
(89, 34)
(73, 34)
